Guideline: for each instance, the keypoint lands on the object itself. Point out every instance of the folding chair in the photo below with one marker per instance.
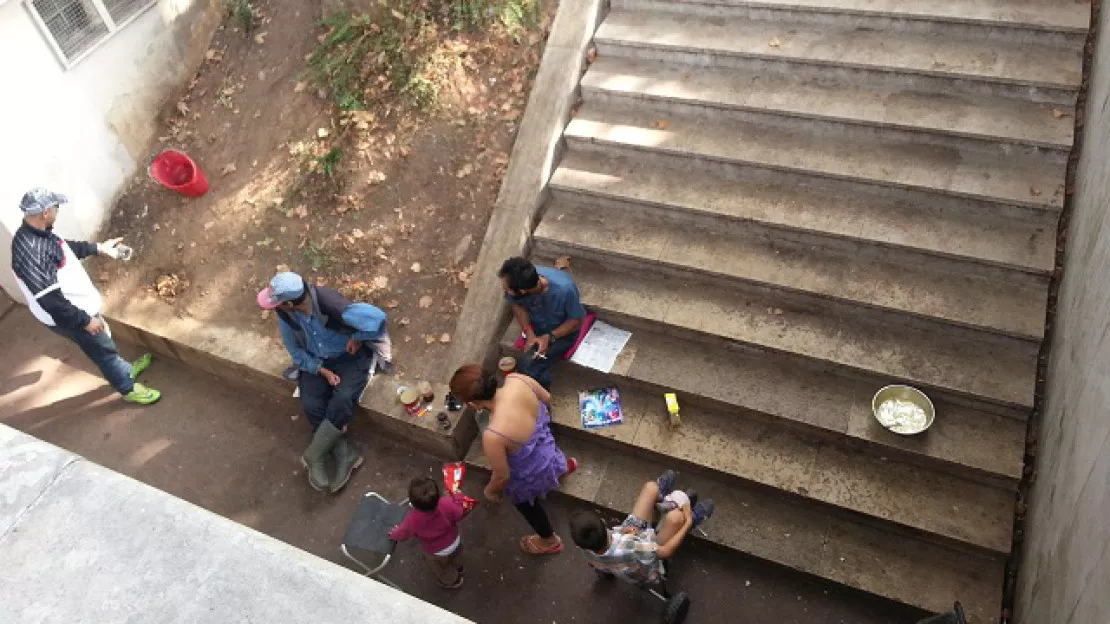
(369, 531)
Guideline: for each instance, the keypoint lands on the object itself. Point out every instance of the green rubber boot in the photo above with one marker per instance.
(347, 459)
(316, 454)
(139, 366)
(142, 395)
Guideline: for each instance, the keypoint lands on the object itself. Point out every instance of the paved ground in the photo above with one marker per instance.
(235, 453)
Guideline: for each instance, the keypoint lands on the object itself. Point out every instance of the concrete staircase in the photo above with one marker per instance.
(792, 203)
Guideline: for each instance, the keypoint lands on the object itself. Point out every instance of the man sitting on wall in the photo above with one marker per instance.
(332, 341)
(548, 309)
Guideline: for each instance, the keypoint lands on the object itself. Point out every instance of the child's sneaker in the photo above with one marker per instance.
(703, 510)
(666, 483)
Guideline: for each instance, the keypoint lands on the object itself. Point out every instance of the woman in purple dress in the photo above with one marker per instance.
(518, 443)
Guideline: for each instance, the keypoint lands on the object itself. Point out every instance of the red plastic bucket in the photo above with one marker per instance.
(177, 172)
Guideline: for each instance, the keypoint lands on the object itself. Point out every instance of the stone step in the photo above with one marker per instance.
(931, 505)
(810, 274)
(955, 366)
(999, 20)
(912, 233)
(998, 124)
(887, 166)
(911, 61)
(772, 527)
(798, 393)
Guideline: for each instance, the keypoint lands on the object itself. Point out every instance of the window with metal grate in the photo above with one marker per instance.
(74, 27)
(123, 10)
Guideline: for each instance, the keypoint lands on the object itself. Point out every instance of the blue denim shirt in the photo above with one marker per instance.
(322, 343)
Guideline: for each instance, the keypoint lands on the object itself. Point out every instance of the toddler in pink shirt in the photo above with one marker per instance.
(434, 522)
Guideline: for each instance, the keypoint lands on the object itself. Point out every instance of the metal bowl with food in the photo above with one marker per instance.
(903, 409)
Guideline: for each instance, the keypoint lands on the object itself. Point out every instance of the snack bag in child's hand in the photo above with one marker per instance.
(467, 503)
(453, 475)
(452, 480)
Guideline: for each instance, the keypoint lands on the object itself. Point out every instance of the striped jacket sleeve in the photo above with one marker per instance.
(35, 261)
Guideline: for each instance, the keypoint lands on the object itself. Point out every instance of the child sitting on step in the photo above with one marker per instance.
(635, 550)
(434, 522)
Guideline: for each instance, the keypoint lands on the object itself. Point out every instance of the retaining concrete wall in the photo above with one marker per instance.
(485, 315)
(1066, 565)
(83, 544)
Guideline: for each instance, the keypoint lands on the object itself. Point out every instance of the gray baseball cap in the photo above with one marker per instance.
(38, 200)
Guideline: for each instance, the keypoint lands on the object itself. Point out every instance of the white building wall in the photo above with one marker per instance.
(85, 130)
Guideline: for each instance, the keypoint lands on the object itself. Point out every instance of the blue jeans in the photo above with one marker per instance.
(101, 349)
(540, 368)
(320, 400)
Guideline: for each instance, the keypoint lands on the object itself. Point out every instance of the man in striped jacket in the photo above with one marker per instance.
(60, 294)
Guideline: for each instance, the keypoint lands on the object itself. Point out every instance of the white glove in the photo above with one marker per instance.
(114, 249)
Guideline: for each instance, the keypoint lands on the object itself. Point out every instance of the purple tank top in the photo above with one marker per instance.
(534, 468)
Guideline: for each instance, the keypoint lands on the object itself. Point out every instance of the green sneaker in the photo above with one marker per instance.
(139, 366)
(142, 395)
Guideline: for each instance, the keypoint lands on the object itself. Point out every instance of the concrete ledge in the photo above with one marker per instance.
(524, 190)
(257, 360)
(93, 546)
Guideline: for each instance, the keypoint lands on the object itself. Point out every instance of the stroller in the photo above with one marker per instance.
(676, 605)
(955, 616)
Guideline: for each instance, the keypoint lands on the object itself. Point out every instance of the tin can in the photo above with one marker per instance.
(410, 398)
(506, 364)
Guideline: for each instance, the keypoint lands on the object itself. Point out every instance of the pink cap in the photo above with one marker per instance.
(266, 298)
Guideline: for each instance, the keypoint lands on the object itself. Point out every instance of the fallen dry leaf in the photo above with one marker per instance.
(1059, 113)
(661, 124)
(776, 311)
(260, 38)
(466, 170)
(208, 226)
(429, 338)
(415, 267)
(301, 211)
(591, 54)
(322, 132)
(381, 281)
(183, 108)
(375, 177)
(563, 263)
(445, 338)
(425, 301)
(774, 42)
(403, 322)
(392, 303)
(300, 87)
(1034, 191)
(228, 168)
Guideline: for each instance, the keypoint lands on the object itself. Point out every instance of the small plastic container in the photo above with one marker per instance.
(410, 398)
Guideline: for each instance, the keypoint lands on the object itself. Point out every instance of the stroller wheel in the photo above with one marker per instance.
(677, 606)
